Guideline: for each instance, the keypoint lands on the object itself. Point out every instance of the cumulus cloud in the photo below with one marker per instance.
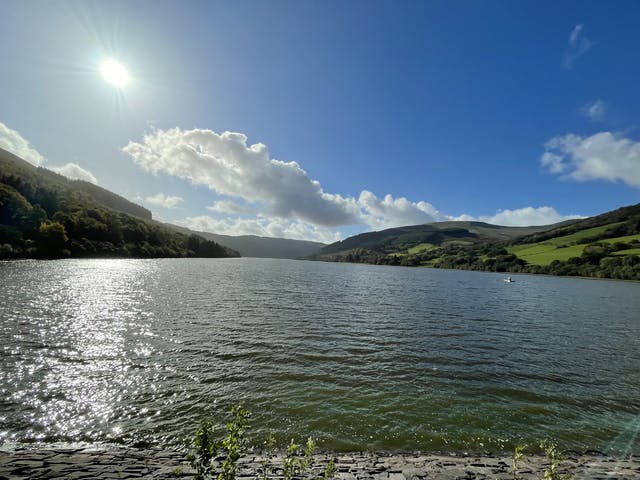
(261, 226)
(577, 46)
(595, 111)
(162, 200)
(603, 156)
(279, 199)
(391, 212)
(15, 143)
(527, 216)
(226, 206)
(227, 165)
(75, 172)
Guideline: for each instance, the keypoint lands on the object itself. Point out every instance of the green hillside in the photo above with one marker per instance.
(404, 244)
(46, 215)
(605, 246)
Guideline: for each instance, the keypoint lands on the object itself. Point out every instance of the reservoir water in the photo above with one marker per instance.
(136, 352)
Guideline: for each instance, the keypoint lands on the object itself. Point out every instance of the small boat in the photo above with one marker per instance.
(509, 280)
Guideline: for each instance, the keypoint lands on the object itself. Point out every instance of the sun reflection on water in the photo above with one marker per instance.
(88, 324)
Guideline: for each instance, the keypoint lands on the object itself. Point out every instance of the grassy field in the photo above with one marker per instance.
(423, 247)
(544, 253)
(626, 239)
(631, 251)
(563, 248)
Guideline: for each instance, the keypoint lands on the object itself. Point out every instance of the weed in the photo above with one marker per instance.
(554, 455)
(270, 450)
(235, 443)
(518, 456)
(206, 449)
(291, 463)
(330, 470)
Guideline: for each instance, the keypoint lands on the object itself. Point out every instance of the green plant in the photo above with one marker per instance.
(270, 450)
(206, 449)
(177, 472)
(232, 446)
(330, 470)
(290, 462)
(309, 450)
(555, 457)
(295, 462)
(518, 456)
(235, 443)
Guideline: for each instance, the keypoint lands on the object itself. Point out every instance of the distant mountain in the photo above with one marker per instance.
(265, 247)
(46, 215)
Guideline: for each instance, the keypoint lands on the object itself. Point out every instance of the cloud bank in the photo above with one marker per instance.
(162, 200)
(75, 172)
(13, 142)
(261, 226)
(228, 166)
(522, 217)
(603, 156)
(226, 206)
(277, 198)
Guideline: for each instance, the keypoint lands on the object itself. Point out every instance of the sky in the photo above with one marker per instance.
(318, 120)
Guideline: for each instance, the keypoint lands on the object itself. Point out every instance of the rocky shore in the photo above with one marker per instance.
(125, 463)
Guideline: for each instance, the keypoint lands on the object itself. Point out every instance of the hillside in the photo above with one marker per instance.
(263, 247)
(23, 176)
(604, 246)
(401, 241)
(46, 215)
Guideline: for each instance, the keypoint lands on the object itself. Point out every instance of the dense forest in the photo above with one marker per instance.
(46, 215)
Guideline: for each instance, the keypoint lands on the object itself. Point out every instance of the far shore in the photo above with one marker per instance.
(39, 462)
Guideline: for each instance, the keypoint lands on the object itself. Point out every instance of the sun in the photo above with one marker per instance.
(114, 73)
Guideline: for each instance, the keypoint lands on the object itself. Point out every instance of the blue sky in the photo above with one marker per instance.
(394, 113)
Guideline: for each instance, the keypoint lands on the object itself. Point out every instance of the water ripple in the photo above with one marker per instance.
(136, 352)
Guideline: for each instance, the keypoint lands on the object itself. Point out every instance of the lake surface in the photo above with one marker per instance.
(136, 352)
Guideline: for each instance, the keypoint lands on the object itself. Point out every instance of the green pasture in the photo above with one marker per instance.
(563, 248)
(630, 251)
(423, 247)
(625, 239)
(544, 253)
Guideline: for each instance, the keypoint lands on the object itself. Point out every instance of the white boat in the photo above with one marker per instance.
(509, 280)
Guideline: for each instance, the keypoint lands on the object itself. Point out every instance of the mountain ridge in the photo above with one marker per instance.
(260, 247)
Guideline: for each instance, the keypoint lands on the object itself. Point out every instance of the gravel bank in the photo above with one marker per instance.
(124, 463)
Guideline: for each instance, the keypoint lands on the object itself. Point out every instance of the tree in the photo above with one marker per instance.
(53, 238)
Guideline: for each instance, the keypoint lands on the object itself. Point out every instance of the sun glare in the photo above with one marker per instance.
(114, 73)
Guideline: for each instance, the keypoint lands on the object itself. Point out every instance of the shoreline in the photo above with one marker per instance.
(90, 462)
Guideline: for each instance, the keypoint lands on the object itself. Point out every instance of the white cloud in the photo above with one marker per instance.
(227, 165)
(13, 142)
(226, 206)
(75, 172)
(389, 212)
(282, 200)
(603, 156)
(577, 46)
(595, 111)
(261, 226)
(523, 217)
(162, 200)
